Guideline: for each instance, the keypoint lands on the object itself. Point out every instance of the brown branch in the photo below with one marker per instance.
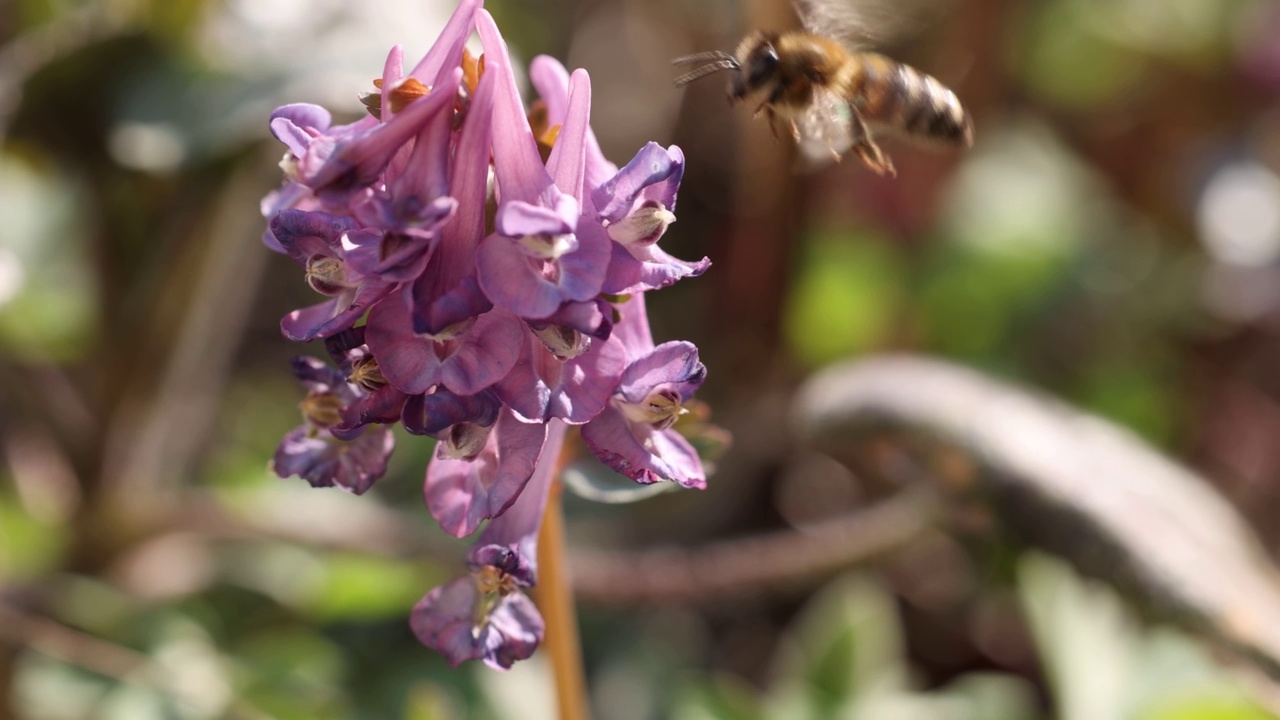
(775, 561)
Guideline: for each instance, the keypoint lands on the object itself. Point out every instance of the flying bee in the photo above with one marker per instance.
(835, 99)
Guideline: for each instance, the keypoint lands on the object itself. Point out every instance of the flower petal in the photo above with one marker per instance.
(653, 167)
(514, 631)
(433, 413)
(629, 274)
(336, 315)
(444, 621)
(642, 453)
(446, 52)
(518, 527)
(567, 162)
(542, 386)
(516, 162)
(476, 359)
(517, 218)
(305, 233)
(535, 289)
(290, 125)
(351, 465)
(674, 362)
(462, 493)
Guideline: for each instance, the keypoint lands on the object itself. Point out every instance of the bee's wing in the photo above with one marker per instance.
(868, 22)
(825, 128)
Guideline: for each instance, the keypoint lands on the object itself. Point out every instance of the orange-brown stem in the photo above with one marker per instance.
(555, 599)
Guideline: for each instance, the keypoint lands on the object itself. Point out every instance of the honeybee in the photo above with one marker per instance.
(835, 99)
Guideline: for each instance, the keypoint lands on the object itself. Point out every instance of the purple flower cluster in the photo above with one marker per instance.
(489, 311)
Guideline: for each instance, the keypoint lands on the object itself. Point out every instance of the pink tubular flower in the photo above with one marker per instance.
(493, 333)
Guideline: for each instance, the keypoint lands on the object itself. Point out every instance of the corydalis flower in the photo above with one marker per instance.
(486, 614)
(493, 315)
(327, 449)
(633, 434)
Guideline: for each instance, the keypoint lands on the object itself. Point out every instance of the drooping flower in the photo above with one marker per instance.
(486, 615)
(316, 450)
(484, 298)
(633, 434)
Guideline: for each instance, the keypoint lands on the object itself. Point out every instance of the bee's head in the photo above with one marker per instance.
(753, 67)
(758, 60)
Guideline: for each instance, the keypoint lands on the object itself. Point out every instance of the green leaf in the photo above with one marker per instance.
(724, 697)
(848, 644)
(364, 587)
(842, 299)
(1087, 641)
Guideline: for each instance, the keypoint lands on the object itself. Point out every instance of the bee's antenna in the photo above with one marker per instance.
(724, 64)
(702, 57)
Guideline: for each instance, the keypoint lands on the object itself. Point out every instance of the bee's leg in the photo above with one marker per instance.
(867, 150)
(767, 110)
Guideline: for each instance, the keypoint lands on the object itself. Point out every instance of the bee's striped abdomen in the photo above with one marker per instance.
(891, 95)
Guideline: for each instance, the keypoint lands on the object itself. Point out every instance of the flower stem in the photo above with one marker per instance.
(555, 600)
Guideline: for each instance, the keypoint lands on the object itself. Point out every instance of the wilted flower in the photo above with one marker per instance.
(493, 332)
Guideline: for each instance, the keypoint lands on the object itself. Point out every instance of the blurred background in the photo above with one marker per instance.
(1113, 239)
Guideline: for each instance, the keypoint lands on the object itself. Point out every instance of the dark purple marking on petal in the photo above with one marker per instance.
(506, 558)
(383, 406)
(315, 374)
(671, 363)
(344, 347)
(654, 168)
(305, 233)
(433, 413)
